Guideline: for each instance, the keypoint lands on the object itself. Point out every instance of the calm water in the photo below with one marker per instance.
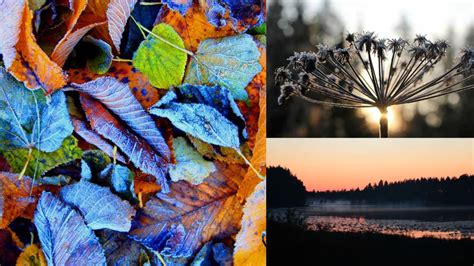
(407, 220)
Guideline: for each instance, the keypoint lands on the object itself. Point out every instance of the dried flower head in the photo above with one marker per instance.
(392, 72)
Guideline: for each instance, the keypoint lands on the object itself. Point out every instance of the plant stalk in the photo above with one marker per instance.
(383, 129)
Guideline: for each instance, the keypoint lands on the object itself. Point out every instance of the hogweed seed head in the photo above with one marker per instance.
(393, 72)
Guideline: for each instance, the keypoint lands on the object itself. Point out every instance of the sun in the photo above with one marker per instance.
(373, 115)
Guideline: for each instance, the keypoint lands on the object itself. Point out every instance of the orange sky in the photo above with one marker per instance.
(327, 164)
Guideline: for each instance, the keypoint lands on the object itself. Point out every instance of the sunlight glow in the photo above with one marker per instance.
(373, 115)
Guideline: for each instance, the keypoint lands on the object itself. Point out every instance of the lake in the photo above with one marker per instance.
(444, 222)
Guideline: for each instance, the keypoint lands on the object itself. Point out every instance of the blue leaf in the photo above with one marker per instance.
(118, 98)
(179, 5)
(99, 206)
(217, 97)
(246, 13)
(231, 62)
(198, 120)
(65, 238)
(120, 179)
(28, 120)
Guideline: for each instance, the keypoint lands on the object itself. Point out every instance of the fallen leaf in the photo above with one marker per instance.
(41, 162)
(138, 83)
(118, 12)
(31, 64)
(190, 165)
(213, 253)
(259, 152)
(102, 55)
(140, 153)
(249, 247)
(177, 224)
(28, 120)
(198, 120)
(120, 179)
(119, 249)
(80, 127)
(14, 197)
(160, 60)
(193, 27)
(117, 97)
(231, 62)
(246, 14)
(31, 256)
(100, 208)
(65, 238)
(11, 18)
(9, 251)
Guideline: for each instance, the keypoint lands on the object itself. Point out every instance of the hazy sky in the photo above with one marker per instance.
(432, 17)
(324, 164)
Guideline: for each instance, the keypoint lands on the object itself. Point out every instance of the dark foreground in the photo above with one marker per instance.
(292, 245)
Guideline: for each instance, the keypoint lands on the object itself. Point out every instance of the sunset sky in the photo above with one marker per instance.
(327, 164)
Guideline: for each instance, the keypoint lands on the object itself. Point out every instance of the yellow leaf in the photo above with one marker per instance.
(31, 256)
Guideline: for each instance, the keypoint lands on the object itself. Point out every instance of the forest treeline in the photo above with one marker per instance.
(286, 190)
(431, 190)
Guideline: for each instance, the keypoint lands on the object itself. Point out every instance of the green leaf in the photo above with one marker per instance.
(190, 164)
(162, 63)
(45, 161)
(99, 55)
(231, 62)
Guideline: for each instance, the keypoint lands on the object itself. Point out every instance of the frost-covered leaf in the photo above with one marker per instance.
(160, 61)
(177, 224)
(31, 256)
(190, 165)
(246, 13)
(213, 254)
(193, 27)
(14, 197)
(118, 12)
(249, 247)
(65, 238)
(198, 120)
(119, 249)
(10, 17)
(31, 64)
(100, 55)
(214, 96)
(28, 120)
(140, 153)
(120, 179)
(41, 162)
(230, 62)
(100, 208)
(80, 127)
(181, 6)
(117, 97)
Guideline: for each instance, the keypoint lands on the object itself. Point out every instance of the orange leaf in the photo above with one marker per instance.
(32, 65)
(146, 94)
(249, 247)
(193, 27)
(259, 151)
(15, 196)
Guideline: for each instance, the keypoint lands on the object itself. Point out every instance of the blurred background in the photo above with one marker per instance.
(298, 25)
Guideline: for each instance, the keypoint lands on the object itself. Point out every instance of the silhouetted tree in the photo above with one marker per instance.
(284, 189)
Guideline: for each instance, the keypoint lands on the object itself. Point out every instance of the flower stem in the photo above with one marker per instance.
(383, 130)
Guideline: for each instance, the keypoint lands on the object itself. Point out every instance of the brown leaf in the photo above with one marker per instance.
(31, 64)
(249, 247)
(9, 251)
(178, 223)
(258, 159)
(14, 198)
(140, 153)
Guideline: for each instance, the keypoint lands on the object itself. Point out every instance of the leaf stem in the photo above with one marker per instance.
(249, 164)
(114, 152)
(28, 158)
(138, 25)
(118, 59)
(162, 39)
(150, 3)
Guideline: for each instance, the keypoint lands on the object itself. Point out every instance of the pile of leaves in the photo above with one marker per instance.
(132, 132)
